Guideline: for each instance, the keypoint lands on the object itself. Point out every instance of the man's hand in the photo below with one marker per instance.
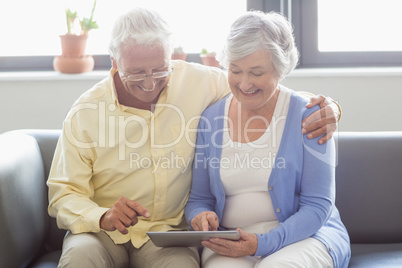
(122, 214)
(321, 122)
(246, 246)
(205, 221)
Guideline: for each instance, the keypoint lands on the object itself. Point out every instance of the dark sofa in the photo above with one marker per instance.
(369, 198)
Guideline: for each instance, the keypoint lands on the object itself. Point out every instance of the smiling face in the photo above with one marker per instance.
(136, 59)
(253, 80)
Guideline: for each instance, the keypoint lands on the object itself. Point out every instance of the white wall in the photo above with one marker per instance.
(370, 98)
(40, 100)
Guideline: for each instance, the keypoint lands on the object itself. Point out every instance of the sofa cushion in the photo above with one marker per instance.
(49, 260)
(376, 255)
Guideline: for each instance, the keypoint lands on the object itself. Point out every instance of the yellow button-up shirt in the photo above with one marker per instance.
(108, 150)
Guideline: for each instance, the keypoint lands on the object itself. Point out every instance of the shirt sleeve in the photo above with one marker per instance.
(201, 198)
(222, 85)
(69, 182)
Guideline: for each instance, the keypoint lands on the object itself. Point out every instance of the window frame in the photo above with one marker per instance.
(311, 57)
(304, 19)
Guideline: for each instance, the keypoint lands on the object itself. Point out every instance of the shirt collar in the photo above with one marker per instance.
(115, 99)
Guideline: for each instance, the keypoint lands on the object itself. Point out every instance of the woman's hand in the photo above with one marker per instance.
(246, 246)
(205, 221)
(322, 121)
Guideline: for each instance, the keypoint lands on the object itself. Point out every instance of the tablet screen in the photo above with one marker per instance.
(188, 238)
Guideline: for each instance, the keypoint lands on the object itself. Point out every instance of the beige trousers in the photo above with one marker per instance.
(98, 250)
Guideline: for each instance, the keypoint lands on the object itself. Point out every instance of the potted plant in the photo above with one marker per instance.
(179, 54)
(73, 58)
(209, 58)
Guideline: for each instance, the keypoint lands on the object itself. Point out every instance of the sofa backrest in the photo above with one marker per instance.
(368, 181)
(369, 185)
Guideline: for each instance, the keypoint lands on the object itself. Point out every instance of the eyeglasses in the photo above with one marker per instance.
(141, 77)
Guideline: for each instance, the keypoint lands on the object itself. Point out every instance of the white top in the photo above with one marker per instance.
(245, 170)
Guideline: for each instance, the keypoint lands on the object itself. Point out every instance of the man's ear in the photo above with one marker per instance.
(114, 65)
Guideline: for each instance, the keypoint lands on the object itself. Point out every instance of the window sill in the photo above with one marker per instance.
(51, 76)
(347, 72)
(308, 73)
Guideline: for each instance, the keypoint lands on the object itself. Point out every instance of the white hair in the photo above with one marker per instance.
(256, 30)
(143, 27)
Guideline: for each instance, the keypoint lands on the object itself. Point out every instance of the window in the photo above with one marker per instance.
(343, 33)
(371, 28)
(329, 33)
(33, 30)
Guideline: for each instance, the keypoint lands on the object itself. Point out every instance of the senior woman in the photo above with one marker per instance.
(255, 171)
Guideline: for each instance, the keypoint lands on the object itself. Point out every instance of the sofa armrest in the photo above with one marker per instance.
(23, 200)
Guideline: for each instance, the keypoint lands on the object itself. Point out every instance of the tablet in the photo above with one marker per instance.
(188, 238)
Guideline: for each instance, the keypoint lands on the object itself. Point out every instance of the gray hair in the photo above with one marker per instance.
(256, 30)
(143, 27)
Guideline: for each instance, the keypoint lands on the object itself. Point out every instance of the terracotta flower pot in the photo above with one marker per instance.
(182, 56)
(73, 65)
(209, 60)
(73, 45)
(73, 58)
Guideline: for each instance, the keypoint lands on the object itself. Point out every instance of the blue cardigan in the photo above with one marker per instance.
(301, 185)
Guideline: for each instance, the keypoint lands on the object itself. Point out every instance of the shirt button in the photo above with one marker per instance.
(278, 210)
(270, 188)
